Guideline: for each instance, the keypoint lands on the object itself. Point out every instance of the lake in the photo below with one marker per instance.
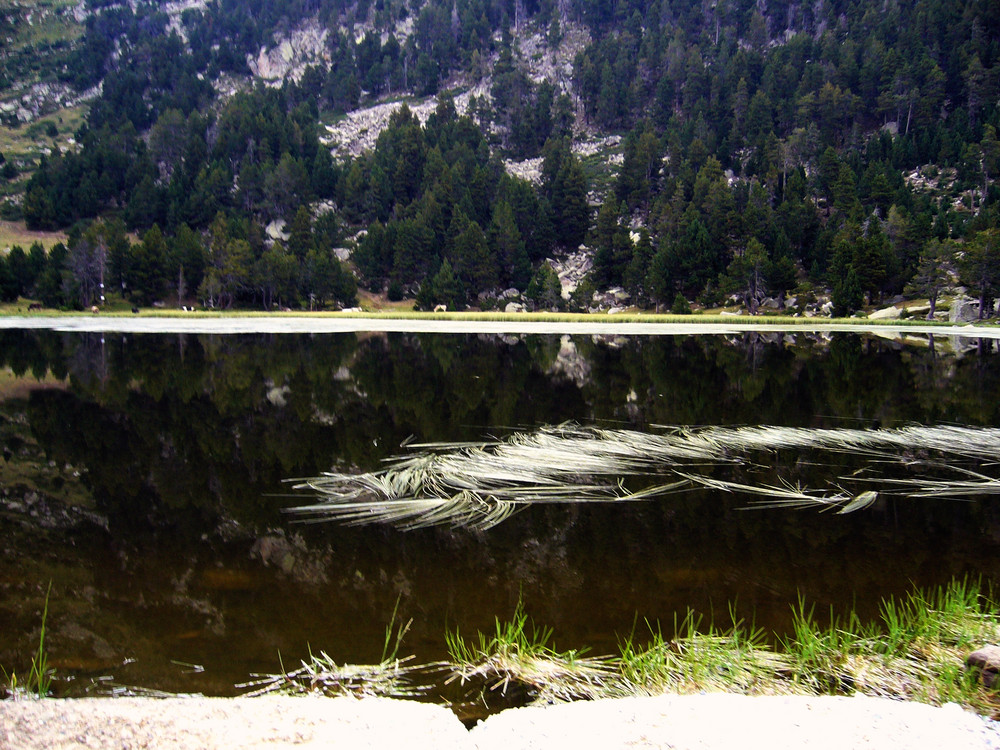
(145, 476)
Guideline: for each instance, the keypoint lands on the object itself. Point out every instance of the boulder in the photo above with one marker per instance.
(619, 295)
(887, 313)
(986, 664)
(276, 230)
(514, 307)
(963, 310)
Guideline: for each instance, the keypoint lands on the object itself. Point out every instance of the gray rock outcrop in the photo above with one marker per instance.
(963, 310)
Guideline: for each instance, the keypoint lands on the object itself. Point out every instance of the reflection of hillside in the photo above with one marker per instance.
(13, 387)
(210, 425)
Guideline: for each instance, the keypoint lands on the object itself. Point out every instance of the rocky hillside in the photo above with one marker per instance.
(697, 154)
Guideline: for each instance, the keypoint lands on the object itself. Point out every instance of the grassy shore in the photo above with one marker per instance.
(915, 651)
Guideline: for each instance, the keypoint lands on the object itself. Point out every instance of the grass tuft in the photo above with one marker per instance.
(519, 655)
(40, 675)
(392, 677)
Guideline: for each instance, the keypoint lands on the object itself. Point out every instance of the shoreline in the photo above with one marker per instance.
(498, 324)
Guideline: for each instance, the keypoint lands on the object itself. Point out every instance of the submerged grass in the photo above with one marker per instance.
(479, 485)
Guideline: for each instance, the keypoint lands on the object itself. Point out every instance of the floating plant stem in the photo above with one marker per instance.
(479, 485)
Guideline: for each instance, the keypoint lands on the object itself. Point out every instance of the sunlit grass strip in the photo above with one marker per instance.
(762, 321)
(479, 485)
(915, 651)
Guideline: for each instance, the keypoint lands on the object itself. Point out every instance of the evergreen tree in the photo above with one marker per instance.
(979, 267)
(300, 234)
(50, 285)
(638, 269)
(18, 272)
(931, 274)
(446, 288)
(475, 264)
(847, 294)
(146, 279)
(746, 275)
(510, 249)
(545, 289)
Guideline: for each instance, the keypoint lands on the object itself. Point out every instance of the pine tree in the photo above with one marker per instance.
(300, 234)
(979, 267)
(931, 274)
(847, 294)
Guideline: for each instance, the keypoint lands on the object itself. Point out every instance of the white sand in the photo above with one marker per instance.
(702, 722)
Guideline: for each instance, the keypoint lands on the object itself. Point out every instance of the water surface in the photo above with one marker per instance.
(144, 476)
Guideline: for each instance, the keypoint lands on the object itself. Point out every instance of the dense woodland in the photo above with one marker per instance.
(767, 146)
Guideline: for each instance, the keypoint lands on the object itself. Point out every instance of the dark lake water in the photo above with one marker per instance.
(143, 475)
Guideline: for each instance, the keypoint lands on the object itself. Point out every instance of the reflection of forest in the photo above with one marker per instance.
(177, 414)
(183, 443)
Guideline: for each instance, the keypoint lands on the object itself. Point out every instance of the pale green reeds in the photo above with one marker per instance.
(479, 485)
(40, 674)
(736, 659)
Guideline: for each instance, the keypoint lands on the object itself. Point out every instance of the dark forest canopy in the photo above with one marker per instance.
(763, 144)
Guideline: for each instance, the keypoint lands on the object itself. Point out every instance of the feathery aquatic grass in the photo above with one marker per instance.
(479, 485)
(321, 674)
